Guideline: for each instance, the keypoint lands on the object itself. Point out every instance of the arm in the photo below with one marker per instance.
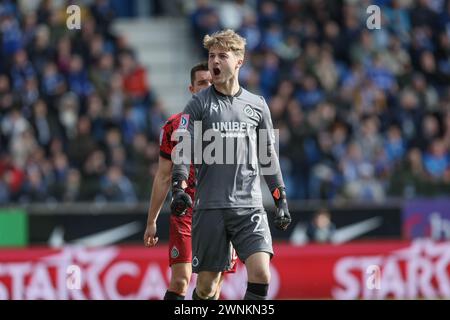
(161, 186)
(272, 170)
(184, 151)
(190, 114)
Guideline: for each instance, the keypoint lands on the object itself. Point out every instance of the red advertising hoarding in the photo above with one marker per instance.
(373, 270)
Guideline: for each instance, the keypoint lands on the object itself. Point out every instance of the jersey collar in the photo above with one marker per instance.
(226, 96)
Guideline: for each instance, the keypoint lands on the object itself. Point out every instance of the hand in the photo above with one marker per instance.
(181, 201)
(149, 236)
(282, 217)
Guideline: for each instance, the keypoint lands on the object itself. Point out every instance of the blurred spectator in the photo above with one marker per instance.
(53, 82)
(436, 160)
(394, 144)
(93, 170)
(21, 71)
(116, 187)
(321, 229)
(409, 178)
(35, 188)
(68, 113)
(103, 13)
(369, 138)
(78, 78)
(134, 78)
(40, 50)
(358, 174)
(45, 125)
(82, 143)
(72, 187)
(232, 13)
(310, 94)
(204, 20)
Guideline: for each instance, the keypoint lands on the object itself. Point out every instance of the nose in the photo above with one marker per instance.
(215, 60)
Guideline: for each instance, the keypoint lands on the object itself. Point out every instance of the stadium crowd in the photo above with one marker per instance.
(362, 114)
(78, 120)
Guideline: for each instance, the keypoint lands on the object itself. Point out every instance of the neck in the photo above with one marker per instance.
(228, 88)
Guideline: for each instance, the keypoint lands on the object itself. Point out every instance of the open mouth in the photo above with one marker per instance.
(216, 71)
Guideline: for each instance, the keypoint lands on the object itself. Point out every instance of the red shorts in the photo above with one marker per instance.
(180, 241)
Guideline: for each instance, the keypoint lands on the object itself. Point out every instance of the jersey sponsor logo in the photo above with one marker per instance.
(184, 122)
(174, 253)
(232, 128)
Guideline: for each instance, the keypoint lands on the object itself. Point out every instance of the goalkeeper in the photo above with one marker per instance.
(180, 248)
(228, 203)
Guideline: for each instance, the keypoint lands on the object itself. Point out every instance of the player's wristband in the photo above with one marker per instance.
(279, 194)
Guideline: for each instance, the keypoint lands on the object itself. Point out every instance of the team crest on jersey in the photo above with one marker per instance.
(248, 110)
(184, 122)
(174, 253)
(195, 262)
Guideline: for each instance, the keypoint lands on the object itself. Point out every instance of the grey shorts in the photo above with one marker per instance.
(214, 229)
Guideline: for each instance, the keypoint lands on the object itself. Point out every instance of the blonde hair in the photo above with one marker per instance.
(226, 39)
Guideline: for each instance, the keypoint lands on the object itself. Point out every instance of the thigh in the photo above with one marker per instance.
(210, 245)
(249, 231)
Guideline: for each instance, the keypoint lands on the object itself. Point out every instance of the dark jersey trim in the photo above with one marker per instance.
(165, 155)
(224, 95)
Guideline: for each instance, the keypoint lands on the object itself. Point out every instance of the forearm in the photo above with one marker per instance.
(161, 186)
(274, 179)
(183, 153)
(180, 172)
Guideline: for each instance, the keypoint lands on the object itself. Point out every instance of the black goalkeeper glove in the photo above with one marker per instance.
(282, 217)
(181, 201)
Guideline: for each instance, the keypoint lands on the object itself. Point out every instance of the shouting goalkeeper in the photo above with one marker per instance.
(228, 201)
(180, 249)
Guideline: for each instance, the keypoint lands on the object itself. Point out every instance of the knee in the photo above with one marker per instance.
(207, 289)
(179, 284)
(259, 275)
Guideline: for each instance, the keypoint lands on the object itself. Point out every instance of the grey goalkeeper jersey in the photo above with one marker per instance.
(228, 136)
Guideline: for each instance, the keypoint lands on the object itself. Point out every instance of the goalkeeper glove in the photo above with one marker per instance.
(282, 218)
(181, 201)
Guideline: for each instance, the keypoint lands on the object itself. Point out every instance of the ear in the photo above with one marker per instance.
(239, 63)
(191, 89)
